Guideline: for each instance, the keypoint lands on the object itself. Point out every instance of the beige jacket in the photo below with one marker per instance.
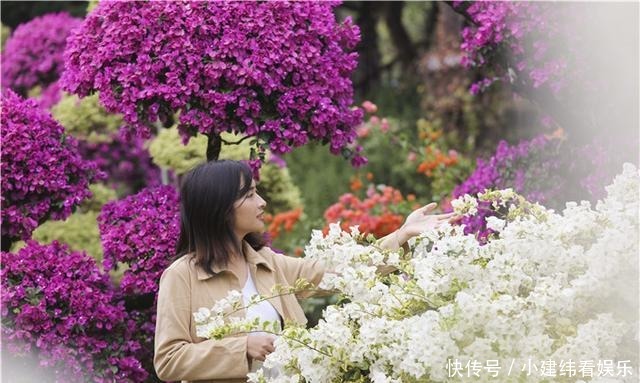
(184, 288)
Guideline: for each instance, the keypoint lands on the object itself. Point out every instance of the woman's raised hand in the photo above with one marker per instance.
(418, 221)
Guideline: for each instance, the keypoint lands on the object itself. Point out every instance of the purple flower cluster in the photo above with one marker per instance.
(33, 55)
(141, 231)
(50, 95)
(529, 31)
(531, 168)
(276, 70)
(43, 175)
(126, 162)
(59, 303)
(550, 171)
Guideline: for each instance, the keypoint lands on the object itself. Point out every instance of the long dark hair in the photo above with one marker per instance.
(207, 195)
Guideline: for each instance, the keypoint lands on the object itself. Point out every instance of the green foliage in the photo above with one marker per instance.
(278, 189)
(85, 118)
(101, 195)
(5, 32)
(168, 152)
(322, 176)
(80, 230)
(91, 5)
(276, 185)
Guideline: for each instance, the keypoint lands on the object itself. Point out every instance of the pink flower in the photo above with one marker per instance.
(384, 125)
(369, 107)
(363, 131)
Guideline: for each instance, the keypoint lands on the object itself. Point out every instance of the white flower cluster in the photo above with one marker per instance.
(550, 286)
(208, 321)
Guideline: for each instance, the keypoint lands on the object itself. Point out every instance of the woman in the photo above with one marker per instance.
(221, 249)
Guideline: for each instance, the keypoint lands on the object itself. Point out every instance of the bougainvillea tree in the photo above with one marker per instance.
(126, 162)
(141, 231)
(43, 174)
(275, 71)
(518, 42)
(33, 55)
(59, 304)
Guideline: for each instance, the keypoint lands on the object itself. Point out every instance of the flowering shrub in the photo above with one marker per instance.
(44, 175)
(278, 71)
(80, 230)
(547, 169)
(46, 97)
(125, 161)
(33, 54)
(141, 231)
(531, 168)
(86, 119)
(59, 303)
(380, 213)
(282, 221)
(551, 289)
(529, 32)
(442, 165)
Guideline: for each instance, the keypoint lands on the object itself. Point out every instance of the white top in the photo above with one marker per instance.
(263, 310)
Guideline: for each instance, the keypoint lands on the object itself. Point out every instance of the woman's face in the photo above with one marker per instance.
(249, 213)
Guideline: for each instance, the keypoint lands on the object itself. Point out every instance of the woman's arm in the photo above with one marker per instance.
(176, 357)
(417, 222)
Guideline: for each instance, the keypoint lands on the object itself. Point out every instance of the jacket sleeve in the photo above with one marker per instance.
(296, 268)
(176, 356)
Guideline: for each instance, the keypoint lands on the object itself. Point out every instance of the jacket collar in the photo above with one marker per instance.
(253, 257)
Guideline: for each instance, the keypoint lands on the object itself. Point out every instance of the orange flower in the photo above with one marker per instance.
(369, 176)
(435, 135)
(286, 220)
(356, 184)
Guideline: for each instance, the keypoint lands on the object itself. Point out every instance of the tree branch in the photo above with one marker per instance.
(461, 9)
(234, 143)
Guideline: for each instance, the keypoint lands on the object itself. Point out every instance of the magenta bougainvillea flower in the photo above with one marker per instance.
(275, 70)
(522, 42)
(33, 55)
(126, 162)
(43, 175)
(141, 231)
(59, 304)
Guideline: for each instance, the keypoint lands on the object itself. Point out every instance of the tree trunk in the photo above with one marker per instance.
(214, 144)
(7, 242)
(406, 50)
(369, 74)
